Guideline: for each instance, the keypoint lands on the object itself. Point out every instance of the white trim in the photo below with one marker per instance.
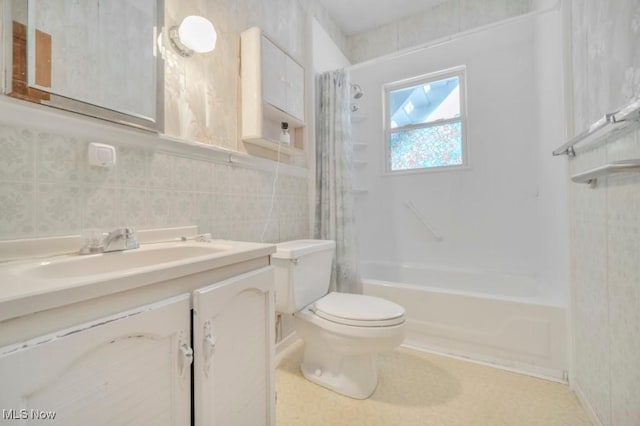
(567, 65)
(440, 169)
(423, 79)
(586, 405)
(283, 345)
(17, 112)
(538, 372)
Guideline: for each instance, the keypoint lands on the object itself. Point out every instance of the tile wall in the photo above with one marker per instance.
(605, 220)
(444, 19)
(47, 188)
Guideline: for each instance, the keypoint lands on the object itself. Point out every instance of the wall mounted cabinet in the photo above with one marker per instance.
(272, 92)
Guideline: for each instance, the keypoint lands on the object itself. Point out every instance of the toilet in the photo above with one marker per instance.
(341, 332)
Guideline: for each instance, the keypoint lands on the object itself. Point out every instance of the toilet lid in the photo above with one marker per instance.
(358, 310)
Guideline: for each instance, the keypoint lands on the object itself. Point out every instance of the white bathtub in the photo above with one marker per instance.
(505, 320)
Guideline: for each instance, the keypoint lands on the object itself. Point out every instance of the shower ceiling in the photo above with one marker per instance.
(356, 16)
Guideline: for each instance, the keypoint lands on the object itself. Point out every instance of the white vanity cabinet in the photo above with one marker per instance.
(132, 368)
(180, 343)
(233, 331)
(273, 91)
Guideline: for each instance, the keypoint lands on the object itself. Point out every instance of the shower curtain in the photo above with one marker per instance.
(334, 215)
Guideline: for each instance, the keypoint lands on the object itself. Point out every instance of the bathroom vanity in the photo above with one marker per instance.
(111, 338)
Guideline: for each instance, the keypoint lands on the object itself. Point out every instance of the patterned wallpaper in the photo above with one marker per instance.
(445, 19)
(47, 188)
(202, 92)
(606, 220)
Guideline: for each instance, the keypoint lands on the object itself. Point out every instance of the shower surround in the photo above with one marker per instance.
(503, 217)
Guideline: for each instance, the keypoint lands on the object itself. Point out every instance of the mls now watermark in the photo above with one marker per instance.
(27, 414)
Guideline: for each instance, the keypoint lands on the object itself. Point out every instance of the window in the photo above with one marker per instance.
(425, 122)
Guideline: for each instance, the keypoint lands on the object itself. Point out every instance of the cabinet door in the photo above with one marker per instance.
(233, 344)
(295, 89)
(127, 369)
(274, 75)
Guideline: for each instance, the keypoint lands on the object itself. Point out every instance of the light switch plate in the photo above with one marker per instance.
(102, 155)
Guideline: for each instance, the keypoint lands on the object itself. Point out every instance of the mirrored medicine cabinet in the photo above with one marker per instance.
(95, 57)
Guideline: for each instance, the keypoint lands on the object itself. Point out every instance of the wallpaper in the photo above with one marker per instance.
(606, 219)
(202, 93)
(47, 188)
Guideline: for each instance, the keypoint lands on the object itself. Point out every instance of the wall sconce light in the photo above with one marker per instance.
(194, 34)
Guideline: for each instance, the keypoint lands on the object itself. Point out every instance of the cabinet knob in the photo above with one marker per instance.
(210, 342)
(187, 358)
(208, 346)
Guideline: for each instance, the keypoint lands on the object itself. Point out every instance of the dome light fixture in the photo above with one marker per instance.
(194, 34)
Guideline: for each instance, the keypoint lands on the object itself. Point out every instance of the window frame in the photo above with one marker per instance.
(460, 72)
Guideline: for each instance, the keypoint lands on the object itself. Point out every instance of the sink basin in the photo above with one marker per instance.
(121, 261)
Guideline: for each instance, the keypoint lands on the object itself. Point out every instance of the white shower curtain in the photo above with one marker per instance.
(334, 215)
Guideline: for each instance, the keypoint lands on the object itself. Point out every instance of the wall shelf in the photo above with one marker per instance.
(357, 117)
(272, 92)
(275, 146)
(591, 176)
(604, 128)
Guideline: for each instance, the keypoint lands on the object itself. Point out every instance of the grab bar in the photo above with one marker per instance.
(591, 176)
(603, 128)
(415, 211)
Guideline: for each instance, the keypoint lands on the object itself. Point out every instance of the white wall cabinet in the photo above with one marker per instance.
(282, 81)
(233, 335)
(273, 92)
(132, 368)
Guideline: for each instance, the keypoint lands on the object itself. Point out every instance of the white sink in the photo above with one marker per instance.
(31, 284)
(120, 261)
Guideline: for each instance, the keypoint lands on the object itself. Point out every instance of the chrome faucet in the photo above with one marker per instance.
(117, 240)
(120, 239)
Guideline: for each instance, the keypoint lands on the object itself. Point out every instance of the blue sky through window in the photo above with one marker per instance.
(425, 103)
(426, 124)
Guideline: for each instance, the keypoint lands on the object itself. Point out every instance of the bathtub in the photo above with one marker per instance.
(509, 321)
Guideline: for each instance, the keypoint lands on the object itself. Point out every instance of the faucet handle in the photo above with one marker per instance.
(91, 241)
(131, 242)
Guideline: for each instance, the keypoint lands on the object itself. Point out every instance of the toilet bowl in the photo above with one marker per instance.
(341, 332)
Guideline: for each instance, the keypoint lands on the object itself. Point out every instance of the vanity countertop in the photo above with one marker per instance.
(36, 284)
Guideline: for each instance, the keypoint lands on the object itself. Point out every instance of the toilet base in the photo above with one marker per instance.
(352, 375)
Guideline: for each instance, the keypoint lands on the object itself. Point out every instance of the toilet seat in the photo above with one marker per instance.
(358, 310)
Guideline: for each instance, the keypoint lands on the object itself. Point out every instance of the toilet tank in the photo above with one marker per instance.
(302, 272)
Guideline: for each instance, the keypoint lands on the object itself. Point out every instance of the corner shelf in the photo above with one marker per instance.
(358, 118)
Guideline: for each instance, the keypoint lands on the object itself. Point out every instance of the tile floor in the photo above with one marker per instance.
(417, 388)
